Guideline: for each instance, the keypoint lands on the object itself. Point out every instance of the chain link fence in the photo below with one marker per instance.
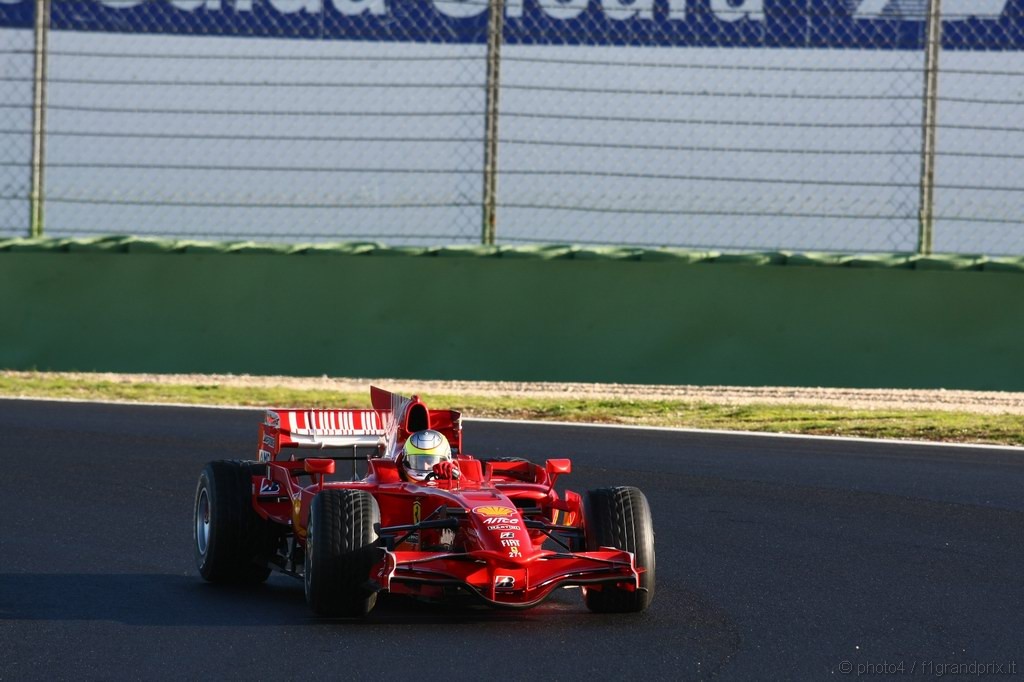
(758, 137)
(261, 129)
(805, 125)
(16, 118)
(979, 189)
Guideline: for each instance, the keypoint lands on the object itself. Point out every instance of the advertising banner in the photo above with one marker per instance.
(858, 24)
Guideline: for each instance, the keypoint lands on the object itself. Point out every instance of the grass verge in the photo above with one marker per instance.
(932, 425)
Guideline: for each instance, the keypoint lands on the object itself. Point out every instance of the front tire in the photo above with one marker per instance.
(621, 518)
(231, 541)
(341, 548)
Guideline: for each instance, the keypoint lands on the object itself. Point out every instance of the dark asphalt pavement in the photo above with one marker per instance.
(777, 559)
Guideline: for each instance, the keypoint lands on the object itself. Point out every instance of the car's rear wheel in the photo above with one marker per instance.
(341, 548)
(231, 541)
(621, 518)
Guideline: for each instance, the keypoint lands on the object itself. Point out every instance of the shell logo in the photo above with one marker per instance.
(494, 511)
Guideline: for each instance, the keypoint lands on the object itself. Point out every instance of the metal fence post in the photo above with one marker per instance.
(933, 46)
(42, 29)
(495, 29)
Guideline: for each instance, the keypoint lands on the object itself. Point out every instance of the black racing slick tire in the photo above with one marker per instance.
(621, 518)
(341, 549)
(231, 541)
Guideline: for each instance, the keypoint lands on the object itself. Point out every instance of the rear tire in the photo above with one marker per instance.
(231, 542)
(341, 548)
(620, 518)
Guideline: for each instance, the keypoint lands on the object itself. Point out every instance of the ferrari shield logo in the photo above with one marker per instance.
(416, 512)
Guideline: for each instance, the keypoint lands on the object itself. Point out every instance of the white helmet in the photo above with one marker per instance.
(422, 451)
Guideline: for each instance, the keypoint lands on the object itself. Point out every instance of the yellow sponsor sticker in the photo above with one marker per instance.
(494, 511)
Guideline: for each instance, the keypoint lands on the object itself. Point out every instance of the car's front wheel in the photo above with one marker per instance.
(341, 548)
(621, 518)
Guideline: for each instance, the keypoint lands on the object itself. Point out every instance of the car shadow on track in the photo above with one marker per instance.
(135, 600)
(142, 599)
(700, 631)
(162, 599)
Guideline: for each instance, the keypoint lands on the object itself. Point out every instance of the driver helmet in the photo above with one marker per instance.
(422, 451)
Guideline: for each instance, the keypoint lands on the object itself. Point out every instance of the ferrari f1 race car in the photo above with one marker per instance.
(426, 520)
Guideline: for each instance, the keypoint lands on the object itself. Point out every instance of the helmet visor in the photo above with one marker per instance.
(422, 464)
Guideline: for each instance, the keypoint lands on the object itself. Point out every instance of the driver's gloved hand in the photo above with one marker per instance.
(446, 470)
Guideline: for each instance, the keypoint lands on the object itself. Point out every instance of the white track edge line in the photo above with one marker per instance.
(762, 434)
(538, 422)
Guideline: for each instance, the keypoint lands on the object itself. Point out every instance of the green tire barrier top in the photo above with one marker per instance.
(555, 313)
(129, 244)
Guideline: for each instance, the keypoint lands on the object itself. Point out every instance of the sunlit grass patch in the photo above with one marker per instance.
(934, 425)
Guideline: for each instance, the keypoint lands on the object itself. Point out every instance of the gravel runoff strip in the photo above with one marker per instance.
(985, 402)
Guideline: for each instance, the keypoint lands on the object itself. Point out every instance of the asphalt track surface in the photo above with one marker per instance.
(777, 559)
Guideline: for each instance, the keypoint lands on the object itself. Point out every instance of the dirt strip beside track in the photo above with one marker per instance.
(986, 402)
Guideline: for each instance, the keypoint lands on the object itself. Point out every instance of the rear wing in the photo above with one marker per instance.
(385, 427)
(320, 429)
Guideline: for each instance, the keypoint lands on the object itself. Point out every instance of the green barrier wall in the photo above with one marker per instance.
(556, 313)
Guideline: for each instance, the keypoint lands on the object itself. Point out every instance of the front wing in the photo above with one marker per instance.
(498, 581)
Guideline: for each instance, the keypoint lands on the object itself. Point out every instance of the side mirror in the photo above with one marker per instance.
(318, 466)
(555, 467)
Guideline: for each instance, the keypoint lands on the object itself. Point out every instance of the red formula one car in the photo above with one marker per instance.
(426, 520)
